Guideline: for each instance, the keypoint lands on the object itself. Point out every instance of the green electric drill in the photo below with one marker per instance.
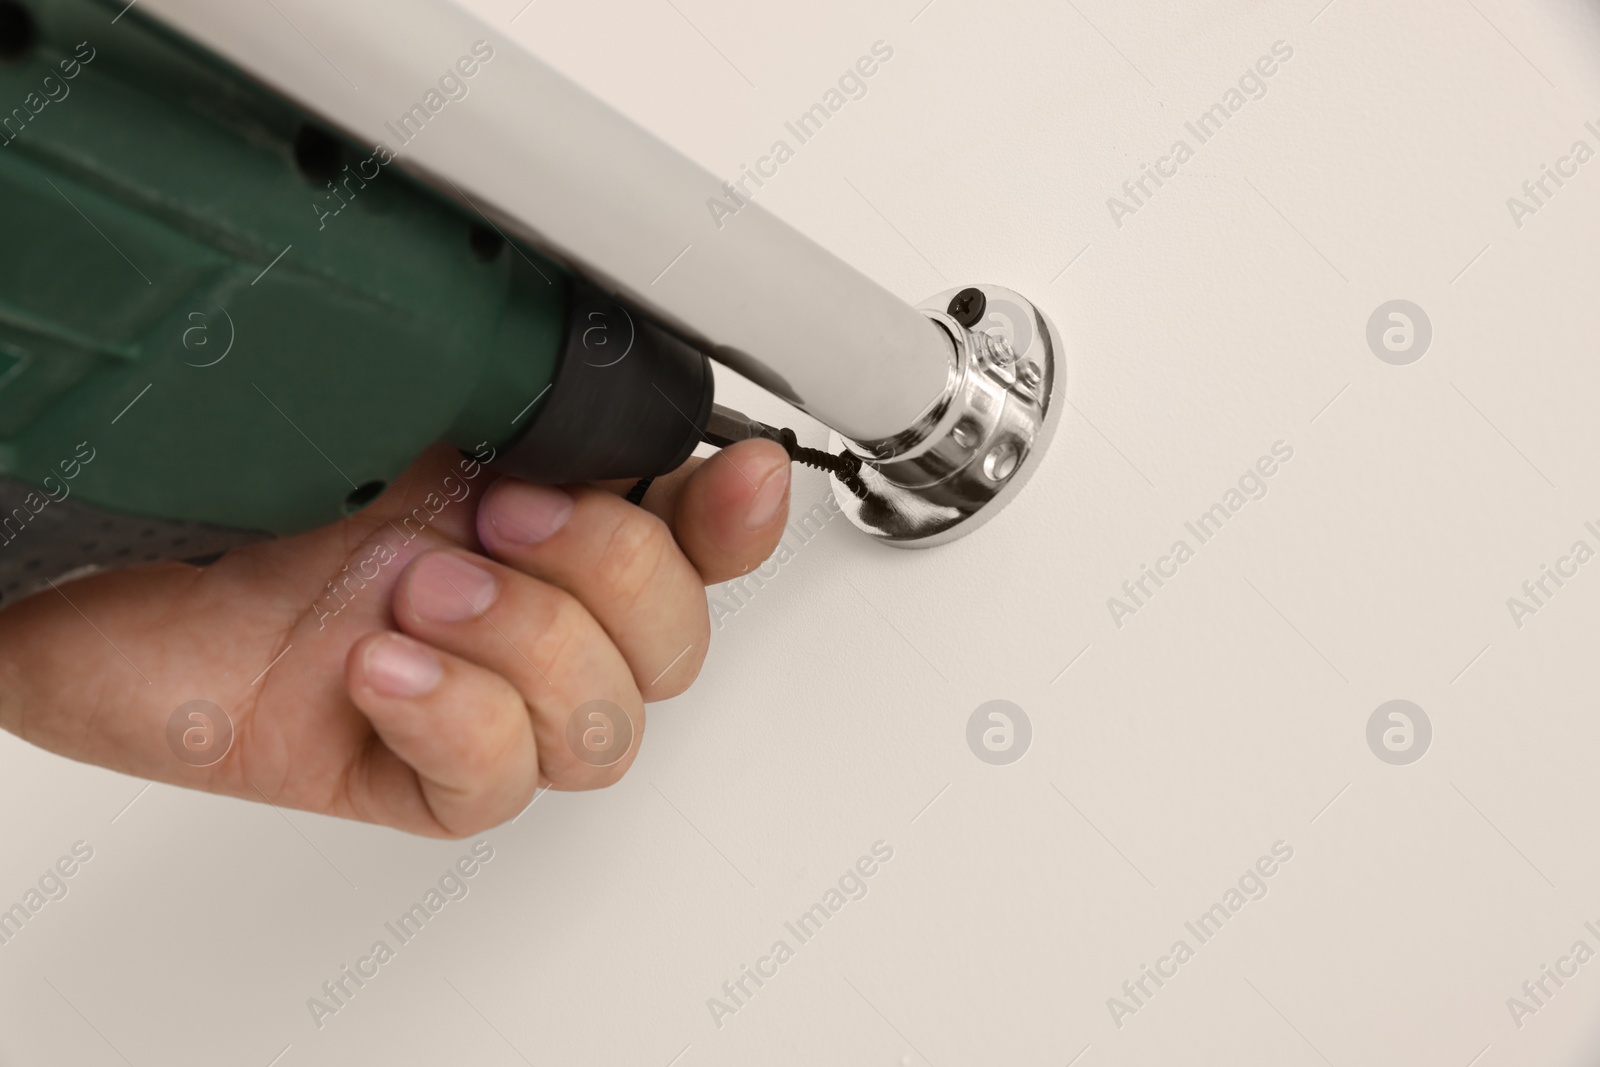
(221, 320)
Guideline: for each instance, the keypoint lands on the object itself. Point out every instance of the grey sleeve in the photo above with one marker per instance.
(43, 540)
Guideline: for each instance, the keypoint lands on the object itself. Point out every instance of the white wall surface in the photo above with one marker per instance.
(1226, 715)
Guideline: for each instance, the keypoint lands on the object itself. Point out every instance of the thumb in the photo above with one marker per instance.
(728, 511)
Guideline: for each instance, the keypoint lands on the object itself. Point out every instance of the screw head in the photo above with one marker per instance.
(1030, 374)
(967, 307)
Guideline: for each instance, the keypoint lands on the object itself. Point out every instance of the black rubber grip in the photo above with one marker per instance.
(629, 400)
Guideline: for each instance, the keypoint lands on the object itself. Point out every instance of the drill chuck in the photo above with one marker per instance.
(628, 400)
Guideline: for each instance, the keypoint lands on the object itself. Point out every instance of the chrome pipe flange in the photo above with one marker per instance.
(973, 450)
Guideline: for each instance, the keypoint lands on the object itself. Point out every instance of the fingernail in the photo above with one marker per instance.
(525, 514)
(769, 498)
(446, 588)
(400, 667)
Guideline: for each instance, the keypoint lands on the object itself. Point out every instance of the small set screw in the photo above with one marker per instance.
(1000, 351)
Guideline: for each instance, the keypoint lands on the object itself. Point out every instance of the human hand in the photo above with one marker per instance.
(432, 696)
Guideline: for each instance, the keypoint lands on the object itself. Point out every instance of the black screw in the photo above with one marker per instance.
(967, 307)
(485, 242)
(362, 495)
(317, 154)
(17, 30)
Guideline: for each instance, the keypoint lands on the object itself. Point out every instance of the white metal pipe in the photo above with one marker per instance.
(574, 176)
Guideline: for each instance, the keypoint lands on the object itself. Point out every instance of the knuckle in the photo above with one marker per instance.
(635, 554)
(477, 759)
(538, 623)
(562, 621)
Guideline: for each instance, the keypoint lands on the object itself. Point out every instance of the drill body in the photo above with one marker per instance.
(218, 314)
